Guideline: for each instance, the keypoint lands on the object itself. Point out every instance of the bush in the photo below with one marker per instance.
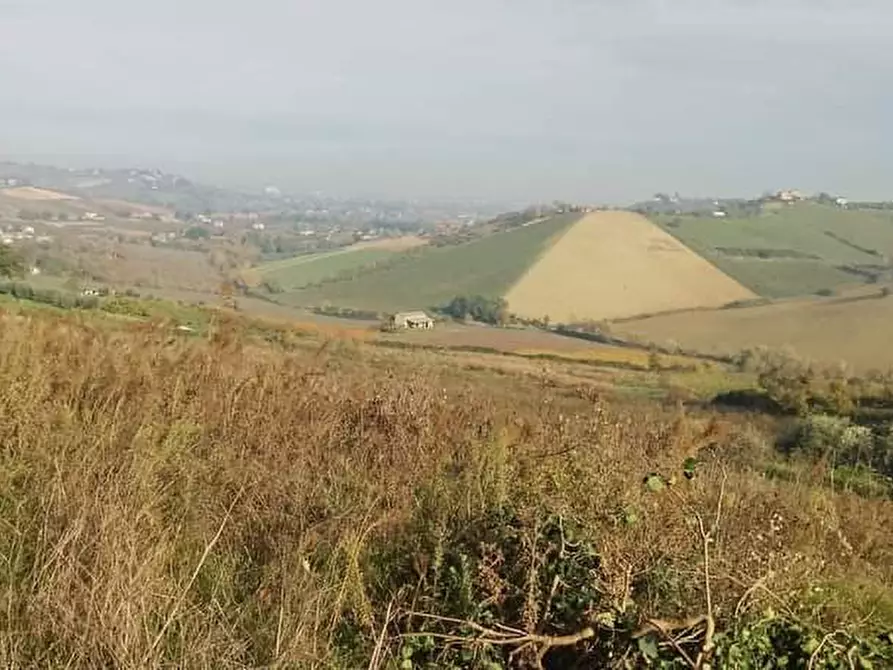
(788, 381)
(821, 436)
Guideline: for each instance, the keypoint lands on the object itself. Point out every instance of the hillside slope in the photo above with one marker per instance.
(266, 498)
(301, 271)
(432, 276)
(618, 264)
(854, 329)
(796, 250)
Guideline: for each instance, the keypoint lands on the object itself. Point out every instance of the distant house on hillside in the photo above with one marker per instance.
(411, 321)
(790, 195)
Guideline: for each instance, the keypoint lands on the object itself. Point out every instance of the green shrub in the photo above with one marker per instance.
(821, 436)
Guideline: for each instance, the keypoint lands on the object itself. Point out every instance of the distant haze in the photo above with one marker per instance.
(589, 100)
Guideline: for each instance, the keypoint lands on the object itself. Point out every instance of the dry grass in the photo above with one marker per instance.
(618, 264)
(38, 194)
(221, 504)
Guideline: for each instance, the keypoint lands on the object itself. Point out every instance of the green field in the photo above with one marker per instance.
(295, 273)
(785, 278)
(791, 251)
(432, 276)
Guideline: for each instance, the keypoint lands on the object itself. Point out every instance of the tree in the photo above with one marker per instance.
(11, 262)
(196, 233)
(479, 308)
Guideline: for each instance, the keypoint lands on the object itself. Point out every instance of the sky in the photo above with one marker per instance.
(506, 100)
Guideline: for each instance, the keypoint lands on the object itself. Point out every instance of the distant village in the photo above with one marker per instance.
(676, 204)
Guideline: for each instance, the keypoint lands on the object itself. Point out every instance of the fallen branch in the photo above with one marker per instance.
(506, 636)
(825, 640)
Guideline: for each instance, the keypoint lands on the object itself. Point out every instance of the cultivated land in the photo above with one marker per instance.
(792, 250)
(430, 277)
(265, 495)
(295, 273)
(31, 193)
(857, 329)
(618, 264)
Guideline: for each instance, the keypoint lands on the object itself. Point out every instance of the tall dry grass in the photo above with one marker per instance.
(215, 503)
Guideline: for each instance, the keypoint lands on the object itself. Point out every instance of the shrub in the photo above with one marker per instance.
(820, 436)
(787, 381)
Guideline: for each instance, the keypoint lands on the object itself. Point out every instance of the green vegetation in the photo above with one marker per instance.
(197, 233)
(303, 271)
(483, 310)
(784, 278)
(792, 250)
(11, 263)
(429, 277)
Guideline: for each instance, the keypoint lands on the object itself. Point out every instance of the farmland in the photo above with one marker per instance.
(432, 276)
(40, 194)
(615, 264)
(295, 273)
(854, 329)
(794, 250)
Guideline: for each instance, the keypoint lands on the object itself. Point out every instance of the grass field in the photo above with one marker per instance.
(824, 237)
(617, 264)
(295, 273)
(787, 278)
(233, 499)
(432, 276)
(853, 330)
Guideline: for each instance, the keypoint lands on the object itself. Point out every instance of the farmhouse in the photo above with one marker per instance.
(412, 321)
(790, 195)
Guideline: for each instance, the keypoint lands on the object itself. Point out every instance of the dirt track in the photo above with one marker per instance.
(612, 265)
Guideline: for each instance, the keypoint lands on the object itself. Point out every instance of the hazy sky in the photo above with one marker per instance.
(506, 99)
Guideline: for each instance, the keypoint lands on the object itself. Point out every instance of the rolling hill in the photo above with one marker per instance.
(431, 276)
(795, 250)
(617, 264)
(302, 271)
(568, 267)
